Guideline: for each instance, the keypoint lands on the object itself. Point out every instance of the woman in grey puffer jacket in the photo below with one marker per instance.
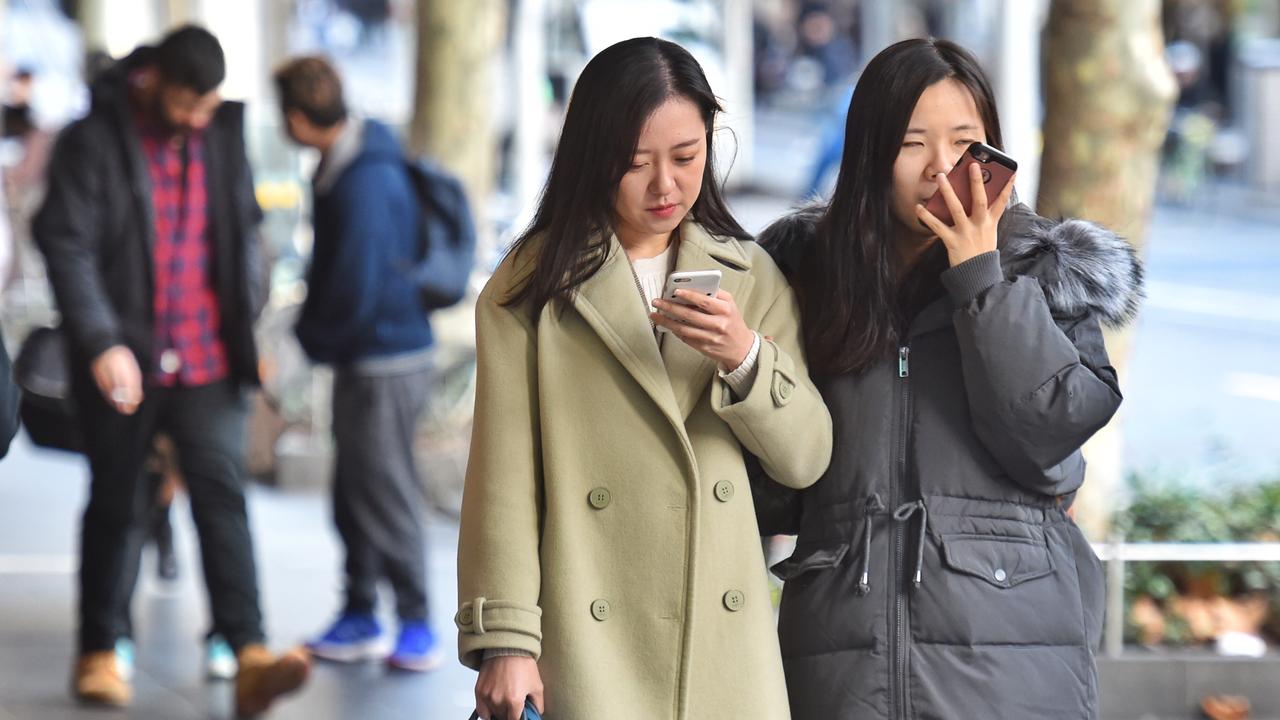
(937, 573)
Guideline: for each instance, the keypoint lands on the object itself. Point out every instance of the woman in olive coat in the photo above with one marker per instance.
(609, 563)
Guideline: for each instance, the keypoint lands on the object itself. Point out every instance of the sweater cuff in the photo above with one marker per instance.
(491, 653)
(966, 281)
(743, 376)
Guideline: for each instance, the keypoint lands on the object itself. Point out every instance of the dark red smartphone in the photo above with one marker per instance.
(997, 170)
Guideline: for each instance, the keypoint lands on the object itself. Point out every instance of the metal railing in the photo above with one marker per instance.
(1117, 552)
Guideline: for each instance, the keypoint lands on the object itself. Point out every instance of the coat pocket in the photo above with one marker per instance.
(1001, 561)
(996, 588)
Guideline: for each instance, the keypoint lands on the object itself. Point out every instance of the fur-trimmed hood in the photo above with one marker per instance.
(1082, 266)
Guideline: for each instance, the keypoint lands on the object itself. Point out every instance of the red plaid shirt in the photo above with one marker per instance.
(188, 348)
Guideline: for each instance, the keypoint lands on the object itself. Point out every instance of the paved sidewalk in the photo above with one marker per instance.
(41, 495)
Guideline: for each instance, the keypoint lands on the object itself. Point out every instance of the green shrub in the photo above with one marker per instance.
(1170, 510)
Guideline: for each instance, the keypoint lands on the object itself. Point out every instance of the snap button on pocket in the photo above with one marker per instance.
(783, 388)
(599, 498)
(1000, 575)
(600, 610)
(724, 491)
(734, 600)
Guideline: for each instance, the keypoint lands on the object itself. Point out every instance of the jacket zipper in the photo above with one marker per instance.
(899, 641)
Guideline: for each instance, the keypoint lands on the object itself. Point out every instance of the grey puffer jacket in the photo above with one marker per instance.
(937, 574)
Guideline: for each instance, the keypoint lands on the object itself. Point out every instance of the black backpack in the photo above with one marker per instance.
(447, 235)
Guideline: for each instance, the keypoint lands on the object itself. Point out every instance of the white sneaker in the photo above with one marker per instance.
(124, 658)
(219, 662)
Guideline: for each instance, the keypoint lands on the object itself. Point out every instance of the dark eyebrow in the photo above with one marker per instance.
(681, 146)
(958, 128)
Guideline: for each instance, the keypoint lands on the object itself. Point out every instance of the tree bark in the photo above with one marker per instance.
(458, 41)
(458, 46)
(1108, 96)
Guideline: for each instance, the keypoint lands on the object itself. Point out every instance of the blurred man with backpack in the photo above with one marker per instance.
(365, 315)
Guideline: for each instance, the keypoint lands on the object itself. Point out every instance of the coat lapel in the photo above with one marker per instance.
(689, 370)
(611, 304)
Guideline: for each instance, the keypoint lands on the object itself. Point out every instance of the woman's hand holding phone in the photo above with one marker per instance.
(974, 232)
(711, 325)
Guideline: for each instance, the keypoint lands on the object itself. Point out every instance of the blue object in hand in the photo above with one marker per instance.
(530, 712)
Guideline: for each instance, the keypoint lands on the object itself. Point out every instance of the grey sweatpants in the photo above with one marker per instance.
(377, 494)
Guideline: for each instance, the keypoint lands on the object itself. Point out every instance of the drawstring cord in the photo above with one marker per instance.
(874, 506)
(903, 514)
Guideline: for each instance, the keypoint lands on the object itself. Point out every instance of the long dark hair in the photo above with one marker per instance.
(854, 305)
(616, 93)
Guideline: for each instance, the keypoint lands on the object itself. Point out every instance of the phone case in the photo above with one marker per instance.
(706, 282)
(997, 170)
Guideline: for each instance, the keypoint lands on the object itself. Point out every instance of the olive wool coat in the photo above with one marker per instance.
(607, 521)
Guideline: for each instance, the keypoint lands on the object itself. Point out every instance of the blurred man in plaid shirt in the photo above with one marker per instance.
(150, 232)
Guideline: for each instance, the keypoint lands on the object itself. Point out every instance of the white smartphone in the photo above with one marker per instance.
(706, 282)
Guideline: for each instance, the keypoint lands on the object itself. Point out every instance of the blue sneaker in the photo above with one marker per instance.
(352, 638)
(417, 648)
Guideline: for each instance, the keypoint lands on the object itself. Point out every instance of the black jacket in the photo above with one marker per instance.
(8, 403)
(936, 573)
(96, 231)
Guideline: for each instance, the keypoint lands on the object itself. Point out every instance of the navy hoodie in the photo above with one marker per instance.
(360, 302)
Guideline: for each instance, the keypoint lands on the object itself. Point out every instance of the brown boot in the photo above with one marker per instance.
(1225, 707)
(263, 677)
(97, 680)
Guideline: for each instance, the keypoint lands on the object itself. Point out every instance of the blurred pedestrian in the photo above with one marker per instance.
(608, 548)
(363, 316)
(150, 234)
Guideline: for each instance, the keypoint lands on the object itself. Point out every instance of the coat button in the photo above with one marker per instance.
(599, 498)
(600, 610)
(1000, 575)
(465, 616)
(784, 389)
(734, 600)
(724, 491)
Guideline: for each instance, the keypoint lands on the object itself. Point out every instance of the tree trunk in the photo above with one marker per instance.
(452, 119)
(1108, 95)
(458, 44)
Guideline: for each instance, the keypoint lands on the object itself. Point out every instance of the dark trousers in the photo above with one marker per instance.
(377, 494)
(157, 526)
(207, 425)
